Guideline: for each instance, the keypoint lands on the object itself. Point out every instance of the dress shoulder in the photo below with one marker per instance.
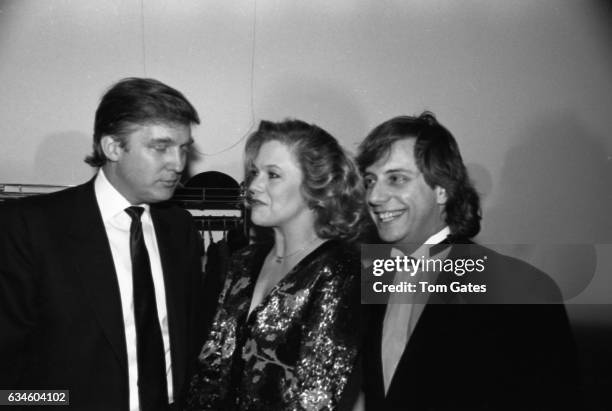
(340, 259)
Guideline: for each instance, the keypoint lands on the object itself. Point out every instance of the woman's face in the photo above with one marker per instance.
(276, 198)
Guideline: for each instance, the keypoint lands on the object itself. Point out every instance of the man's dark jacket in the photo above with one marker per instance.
(465, 355)
(61, 323)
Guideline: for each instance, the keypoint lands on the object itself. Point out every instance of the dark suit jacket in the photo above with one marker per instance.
(478, 356)
(61, 324)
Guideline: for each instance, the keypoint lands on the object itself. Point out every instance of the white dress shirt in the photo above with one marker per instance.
(401, 318)
(117, 224)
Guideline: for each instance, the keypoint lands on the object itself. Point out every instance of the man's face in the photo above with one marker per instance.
(149, 167)
(404, 208)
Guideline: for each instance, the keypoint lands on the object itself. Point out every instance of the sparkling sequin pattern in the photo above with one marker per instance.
(296, 349)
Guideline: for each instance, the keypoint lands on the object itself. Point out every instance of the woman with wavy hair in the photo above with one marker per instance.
(287, 330)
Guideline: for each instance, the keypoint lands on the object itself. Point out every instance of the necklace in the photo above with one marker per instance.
(279, 258)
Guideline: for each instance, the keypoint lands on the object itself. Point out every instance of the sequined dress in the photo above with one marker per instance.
(296, 349)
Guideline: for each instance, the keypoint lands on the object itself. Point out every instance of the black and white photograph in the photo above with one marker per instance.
(347, 205)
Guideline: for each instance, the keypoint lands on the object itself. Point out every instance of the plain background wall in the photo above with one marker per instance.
(525, 86)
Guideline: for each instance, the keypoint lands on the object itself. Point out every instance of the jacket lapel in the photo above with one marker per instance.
(96, 270)
(373, 355)
(429, 324)
(175, 283)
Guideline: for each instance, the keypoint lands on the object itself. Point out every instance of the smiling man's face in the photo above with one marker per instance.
(403, 206)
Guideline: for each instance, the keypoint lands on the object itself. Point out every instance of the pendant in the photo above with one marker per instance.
(278, 259)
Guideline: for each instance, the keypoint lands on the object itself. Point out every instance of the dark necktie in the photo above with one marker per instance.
(152, 388)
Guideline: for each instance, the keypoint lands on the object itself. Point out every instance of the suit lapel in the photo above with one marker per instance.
(96, 269)
(174, 272)
(374, 356)
(427, 327)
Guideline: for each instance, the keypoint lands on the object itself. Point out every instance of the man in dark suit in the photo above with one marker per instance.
(99, 283)
(448, 351)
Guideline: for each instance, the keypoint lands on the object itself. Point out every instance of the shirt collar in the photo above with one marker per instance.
(437, 238)
(111, 201)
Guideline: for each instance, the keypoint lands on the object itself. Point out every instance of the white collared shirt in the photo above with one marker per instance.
(117, 225)
(438, 237)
